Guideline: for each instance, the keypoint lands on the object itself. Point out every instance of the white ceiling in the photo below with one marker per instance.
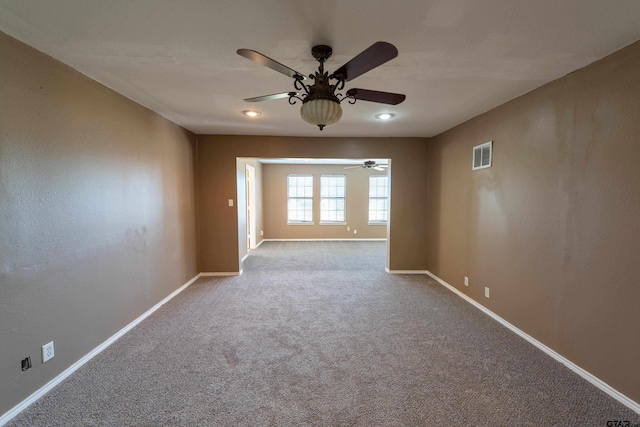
(458, 58)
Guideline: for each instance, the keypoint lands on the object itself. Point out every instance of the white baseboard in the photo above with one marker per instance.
(631, 404)
(250, 249)
(406, 271)
(370, 239)
(5, 418)
(221, 273)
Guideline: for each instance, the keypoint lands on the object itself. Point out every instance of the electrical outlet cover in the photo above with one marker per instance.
(47, 352)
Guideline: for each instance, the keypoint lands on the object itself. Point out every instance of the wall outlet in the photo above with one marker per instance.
(261, 233)
(26, 363)
(486, 292)
(355, 231)
(47, 352)
(348, 228)
(230, 202)
(466, 281)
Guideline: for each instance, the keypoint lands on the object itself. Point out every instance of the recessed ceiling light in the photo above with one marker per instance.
(251, 113)
(385, 116)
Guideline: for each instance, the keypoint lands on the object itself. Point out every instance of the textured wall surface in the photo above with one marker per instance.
(97, 214)
(216, 181)
(357, 203)
(552, 227)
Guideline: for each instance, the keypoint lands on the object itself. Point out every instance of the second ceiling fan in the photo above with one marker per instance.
(369, 164)
(321, 100)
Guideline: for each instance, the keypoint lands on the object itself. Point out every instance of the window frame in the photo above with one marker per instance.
(289, 198)
(385, 198)
(343, 198)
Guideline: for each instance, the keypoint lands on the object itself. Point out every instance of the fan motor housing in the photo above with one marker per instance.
(321, 89)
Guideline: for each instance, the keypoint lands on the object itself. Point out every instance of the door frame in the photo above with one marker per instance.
(250, 175)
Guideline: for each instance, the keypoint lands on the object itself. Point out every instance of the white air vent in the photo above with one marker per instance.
(482, 155)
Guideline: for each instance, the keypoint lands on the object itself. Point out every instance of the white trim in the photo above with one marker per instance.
(5, 418)
(326, 240)
(631, 404)
(405, 271)
(245, 256)
(259, 243)
(221, 273)
(250, 184)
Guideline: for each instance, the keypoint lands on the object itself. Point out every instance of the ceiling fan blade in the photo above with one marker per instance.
(376, 96)
(378, 168)
(353, 167)
(259, 58)
(370, 58)
(270, 97)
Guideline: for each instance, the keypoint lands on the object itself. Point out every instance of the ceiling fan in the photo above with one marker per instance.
(369, 164)
(321, 100)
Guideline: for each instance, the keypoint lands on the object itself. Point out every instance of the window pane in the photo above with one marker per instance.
(300, 198)
(332, 198)
(378, 198)
(308, 191)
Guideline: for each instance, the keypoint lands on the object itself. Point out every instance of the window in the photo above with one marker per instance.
(332, 199)
(300, 199)
(378, 199)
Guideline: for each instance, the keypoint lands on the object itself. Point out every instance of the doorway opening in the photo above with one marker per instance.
(266, 202)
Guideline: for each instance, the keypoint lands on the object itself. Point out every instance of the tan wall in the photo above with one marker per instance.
(241, 167)
(552, 227)
(357, 204)
(97, 214)
(217, 182)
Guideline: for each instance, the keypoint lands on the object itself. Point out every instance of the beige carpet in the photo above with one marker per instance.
(317, 334)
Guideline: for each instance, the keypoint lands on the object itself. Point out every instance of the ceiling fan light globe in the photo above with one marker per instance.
(321, 112)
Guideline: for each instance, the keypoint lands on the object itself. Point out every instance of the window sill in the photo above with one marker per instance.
(377, 223)
(300, 223)
(332, 223)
